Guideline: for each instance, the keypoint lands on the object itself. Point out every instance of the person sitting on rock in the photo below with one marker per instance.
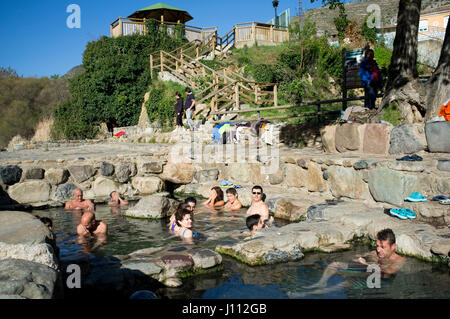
(254, 223)
(215, 198)
(183, 224)
(78, 202)
(116, 200)
(384, 257)
(233, 201)
(89, 226)
(258, 206)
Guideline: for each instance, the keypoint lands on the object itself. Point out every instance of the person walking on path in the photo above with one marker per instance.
(179, 110)
(371, 79)
(190, 107)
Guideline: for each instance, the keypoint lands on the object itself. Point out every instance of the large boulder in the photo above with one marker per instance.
(347, 137)
(34, 173)
(444, 165)
(407, 139)
(29, 280)
(178, 173)
(30, 192)
(390, 186)
(10, 174)
(205, 258)
(107, 169)
(150, 168)
(81, 173)
(39, 253)
(328, 138)
(64, 192)
(56, 176)
(295, 176)
(376, 138)
(207, 175)
(345, 182)
(22, 228)
(147, 185)
(315, 181)
(291, 210)
(437, 134)
(125, 171)
(103, 187)
(153, 207)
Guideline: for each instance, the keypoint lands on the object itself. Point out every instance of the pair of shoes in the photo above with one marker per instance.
(410, 158)
(439, 197)
(416, 197)
(445, 201)
(403, 213)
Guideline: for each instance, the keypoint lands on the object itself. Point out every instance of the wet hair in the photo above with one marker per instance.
(231, 191)
(257, 187)
(181, 212)
(190, 200)
(178, 94)
(252, 220)
(112, 193)
(188, 90)
(219, 193)
(386, 234)
(46, 220)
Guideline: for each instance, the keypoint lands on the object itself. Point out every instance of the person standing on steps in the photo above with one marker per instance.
(189, 106)
(179, 111)
(371, 78)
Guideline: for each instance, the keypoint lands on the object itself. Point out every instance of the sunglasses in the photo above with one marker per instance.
(257, 193)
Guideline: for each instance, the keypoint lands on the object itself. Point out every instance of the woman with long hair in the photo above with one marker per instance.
(215, 198)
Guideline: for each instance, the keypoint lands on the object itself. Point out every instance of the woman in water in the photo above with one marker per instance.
(215, 198)
(183, 224)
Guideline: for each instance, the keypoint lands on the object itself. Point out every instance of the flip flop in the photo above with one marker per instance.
(445, 201)
(416, 197)
(398, 213)
(439, 197)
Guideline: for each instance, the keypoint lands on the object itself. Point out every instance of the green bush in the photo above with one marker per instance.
(112, 88)
(370, 34)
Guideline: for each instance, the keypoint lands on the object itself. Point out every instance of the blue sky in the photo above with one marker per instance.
(36, 41)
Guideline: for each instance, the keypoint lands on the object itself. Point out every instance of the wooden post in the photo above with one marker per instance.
(253, 32)
(144, 29)
(204, 71)
(196, 52)
(151, 66)
(256, 93)
(176, 66)
(181, 56)
(271, 33)
(236, 92)
(275, 95)
(111, 28)
(344, 82)
(162, 61)
(121, 26)
(214, 43)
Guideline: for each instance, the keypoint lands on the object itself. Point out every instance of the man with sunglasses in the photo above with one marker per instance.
(258, 206)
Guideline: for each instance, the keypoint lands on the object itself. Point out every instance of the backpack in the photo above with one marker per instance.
(445, 110)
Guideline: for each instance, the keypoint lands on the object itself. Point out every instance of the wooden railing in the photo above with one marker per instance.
(251, 32)
(128, 26)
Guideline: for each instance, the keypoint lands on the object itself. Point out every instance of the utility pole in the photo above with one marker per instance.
(275, 5)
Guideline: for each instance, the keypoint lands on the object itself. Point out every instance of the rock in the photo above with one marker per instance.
(240, 173)
(431, 209)
(28, 279)
(34, 173)
(328, 138)
(402, 166)
(303, 162)
(315, 181)
(107, 169)
(291, 210)
(147, 185)
(207, 175)
(362, 164)
(441, 247)
(437, 134)
(376, 138)
(205, 258)
(102, 187)
(277, 178)
(38, 253)
(64, 192)
(56, 176)
(81, 173)
(30, 192)
(178, 262)
(147, 268)
(444, 165)
(347, 137)
(296, 176)
(10, 174)
(172, 282)
(151, 168)
(178, 173)
(123, 173)
(391, 187)
(153, 206)
(407, 139)
(22, 228)
(345, 182)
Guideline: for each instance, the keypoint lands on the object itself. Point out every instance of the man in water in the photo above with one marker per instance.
(191, 202)
(78, 202)
(254, 223)
(116, 200)
(258, 206)
(384, 257)
(90, 226)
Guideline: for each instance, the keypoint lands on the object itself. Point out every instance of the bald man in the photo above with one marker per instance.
(90, 226)
(78, 202)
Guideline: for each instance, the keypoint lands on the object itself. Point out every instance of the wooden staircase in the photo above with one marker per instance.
(215, 90)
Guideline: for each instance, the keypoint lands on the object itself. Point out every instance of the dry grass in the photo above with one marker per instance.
(43, 130)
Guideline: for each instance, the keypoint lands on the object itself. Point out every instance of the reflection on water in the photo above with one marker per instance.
(125, 235)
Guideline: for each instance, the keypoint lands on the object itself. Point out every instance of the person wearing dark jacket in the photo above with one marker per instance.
(179, 110)
(371, 79)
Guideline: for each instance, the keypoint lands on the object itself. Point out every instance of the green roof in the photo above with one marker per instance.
(160, 6)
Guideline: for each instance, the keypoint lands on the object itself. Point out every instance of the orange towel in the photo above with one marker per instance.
(445, 111)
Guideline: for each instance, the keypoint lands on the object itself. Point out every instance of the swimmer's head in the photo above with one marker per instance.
(191, 202)
(88, 219)
(219, 193)
(254, 222)
(385, 243)
(183, 217)
(47, 222)
(78, 195)
(257, 193)
(231, 194)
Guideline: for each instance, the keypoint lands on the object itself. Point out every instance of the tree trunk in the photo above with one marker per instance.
(438, 86)
(404, 87)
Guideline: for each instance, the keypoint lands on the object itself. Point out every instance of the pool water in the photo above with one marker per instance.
(288, 280)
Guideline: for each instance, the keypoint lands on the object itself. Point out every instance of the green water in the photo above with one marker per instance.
(417, 279)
